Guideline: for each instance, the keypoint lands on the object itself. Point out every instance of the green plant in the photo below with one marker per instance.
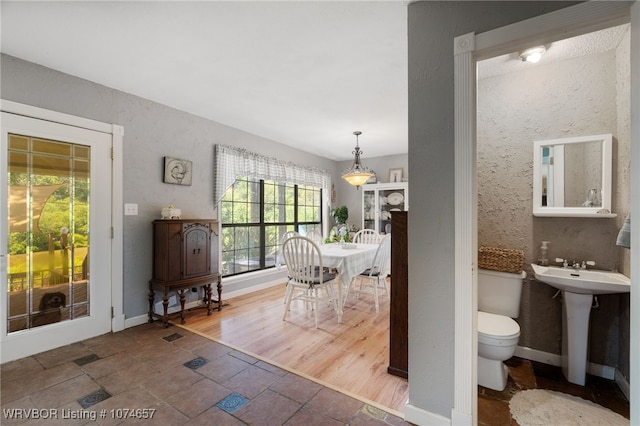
(340, 214)
(335, 235)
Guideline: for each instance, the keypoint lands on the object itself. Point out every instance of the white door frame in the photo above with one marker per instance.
(117, 133)
(569, 22)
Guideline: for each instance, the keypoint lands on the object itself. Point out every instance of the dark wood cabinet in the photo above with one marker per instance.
(185, 255)
(399, 314)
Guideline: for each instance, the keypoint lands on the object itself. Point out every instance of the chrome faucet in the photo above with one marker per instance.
(575, 264)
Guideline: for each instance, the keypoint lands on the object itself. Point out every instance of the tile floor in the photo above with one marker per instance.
(152, 375)
(493, 406)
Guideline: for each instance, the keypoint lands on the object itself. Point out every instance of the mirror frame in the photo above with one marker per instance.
(603, 211)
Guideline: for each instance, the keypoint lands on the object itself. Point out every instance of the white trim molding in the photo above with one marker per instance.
(117, 137)
(420, 416)
(466, 234)
(117, 228)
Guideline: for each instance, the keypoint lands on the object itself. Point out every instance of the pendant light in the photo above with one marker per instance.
(358, 174)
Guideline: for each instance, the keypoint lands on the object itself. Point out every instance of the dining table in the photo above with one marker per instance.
(348, 260)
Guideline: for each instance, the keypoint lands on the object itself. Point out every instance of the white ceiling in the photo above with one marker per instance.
(303, 73)
(586, 44)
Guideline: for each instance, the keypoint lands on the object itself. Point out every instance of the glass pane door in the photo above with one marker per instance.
(55, 234)
(369, 209)
(392, 199)
(48, 238)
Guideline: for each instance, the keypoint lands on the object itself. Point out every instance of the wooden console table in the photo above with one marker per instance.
(181, 287)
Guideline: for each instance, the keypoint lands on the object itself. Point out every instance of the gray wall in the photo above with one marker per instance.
(575, 97)
(152, 131)
(432, 26)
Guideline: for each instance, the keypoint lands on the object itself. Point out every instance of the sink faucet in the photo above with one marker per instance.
(575, 264)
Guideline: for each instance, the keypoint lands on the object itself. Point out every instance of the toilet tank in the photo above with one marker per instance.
(499, 292)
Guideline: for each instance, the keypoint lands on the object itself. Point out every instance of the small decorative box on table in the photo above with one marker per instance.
(185, 255)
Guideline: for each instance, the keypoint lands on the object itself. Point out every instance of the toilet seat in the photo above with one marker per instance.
(497, 330)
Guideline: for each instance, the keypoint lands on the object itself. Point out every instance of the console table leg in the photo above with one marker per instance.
(219, 293)
(165, 305)
(151, 297)
(182, 298)
(208, 292)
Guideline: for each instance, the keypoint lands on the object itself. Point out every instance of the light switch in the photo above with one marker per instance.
(130, 209)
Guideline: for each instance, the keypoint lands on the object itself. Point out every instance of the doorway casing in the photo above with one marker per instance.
(468, 49)
(116, 267)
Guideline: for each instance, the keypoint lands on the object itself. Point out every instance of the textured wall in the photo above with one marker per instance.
(152, 131)
(575, 97)
(432, 26)
(622, 194)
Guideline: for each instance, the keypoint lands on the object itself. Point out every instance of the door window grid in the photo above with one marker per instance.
(48, 210)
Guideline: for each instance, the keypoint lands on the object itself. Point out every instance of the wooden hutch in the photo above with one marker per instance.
(185, 255)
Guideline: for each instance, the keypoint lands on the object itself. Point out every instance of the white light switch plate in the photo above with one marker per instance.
(130, 209)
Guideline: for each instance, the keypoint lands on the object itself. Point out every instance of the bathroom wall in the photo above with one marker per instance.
(622, 192)
(574, 97)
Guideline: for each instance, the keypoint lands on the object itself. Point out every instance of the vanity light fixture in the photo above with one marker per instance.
(358, 174)
(533, 54)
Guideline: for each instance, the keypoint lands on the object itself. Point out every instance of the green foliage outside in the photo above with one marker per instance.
(55, 215)
(241, 205)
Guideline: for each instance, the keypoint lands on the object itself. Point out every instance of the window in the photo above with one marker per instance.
(255, 213)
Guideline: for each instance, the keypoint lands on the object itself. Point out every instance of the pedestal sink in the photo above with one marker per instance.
(578, 287)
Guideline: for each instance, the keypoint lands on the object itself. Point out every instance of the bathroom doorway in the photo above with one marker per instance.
(572, 21)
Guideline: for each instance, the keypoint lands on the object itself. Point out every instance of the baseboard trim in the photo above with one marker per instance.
(258, 287)
(604, 371)
(136, 321)
(175, 306)
(623, 384)
(461, 419)
(538, 356)
(419, 416)
(118, 323)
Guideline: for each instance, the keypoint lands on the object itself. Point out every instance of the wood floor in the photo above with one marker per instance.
(351, 357)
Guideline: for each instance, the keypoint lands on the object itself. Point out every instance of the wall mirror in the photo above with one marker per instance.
(572, 177)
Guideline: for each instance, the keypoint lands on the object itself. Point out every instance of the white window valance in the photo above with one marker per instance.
(231, 163)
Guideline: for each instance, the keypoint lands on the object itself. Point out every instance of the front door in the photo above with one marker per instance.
(56, 235)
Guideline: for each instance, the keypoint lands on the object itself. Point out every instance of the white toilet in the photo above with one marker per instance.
(498, 302)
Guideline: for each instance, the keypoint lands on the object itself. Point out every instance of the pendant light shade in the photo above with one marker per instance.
(358, 174)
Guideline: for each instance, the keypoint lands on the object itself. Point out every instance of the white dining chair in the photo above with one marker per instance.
(283, 238)
(304, 264)
(315, 236)
(374, 278)
(367, 236)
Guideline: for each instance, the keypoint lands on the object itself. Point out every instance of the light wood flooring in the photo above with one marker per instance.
(351, 357)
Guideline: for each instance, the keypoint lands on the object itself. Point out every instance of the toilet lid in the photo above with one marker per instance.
(492, 325)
